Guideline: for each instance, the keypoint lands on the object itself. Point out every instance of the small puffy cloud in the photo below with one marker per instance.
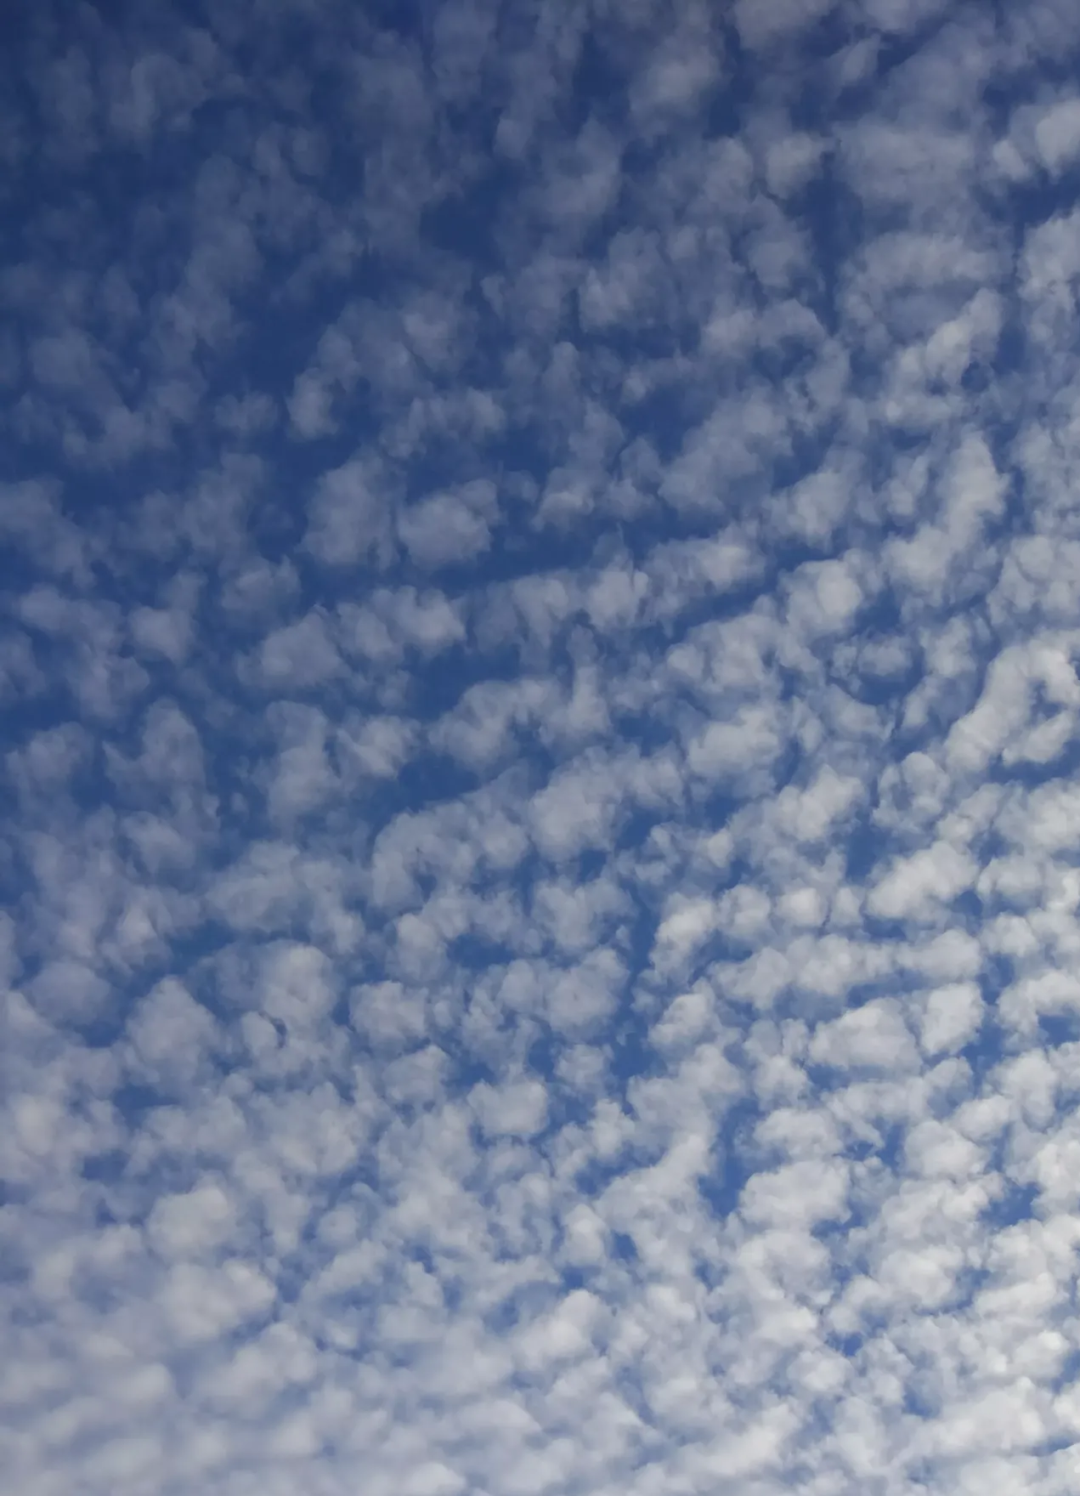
(259, 889)
(747, 745)
(953, 1017)
(170, 1033)
(872, 1037)
(299, 656)
(310, 407)
(297, 984)
(576, 810)
(389, 1015)
(1057, 136)
(686, 925)
(449, 527)
(349, 514)
(775, 21)
(399, 620)
(162, 631)
(379, 746)
(202, 1303)
(797, 1196)
(68, 991)
(246, 416)
(915, 886)
(1000, 722)
(684, 66)
(190, 1224)
(416, 1079)
(259, 590)
(301, 776)
(585, 1235)
(811, 813)
(583, 997)
(272, 1362)
(685, 1020)
(792, 161)
(515, 1109)
(563, 1334)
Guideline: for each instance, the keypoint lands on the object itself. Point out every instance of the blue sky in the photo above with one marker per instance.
(540, 568)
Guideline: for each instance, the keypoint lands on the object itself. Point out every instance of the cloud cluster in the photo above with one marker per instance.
(540, 579)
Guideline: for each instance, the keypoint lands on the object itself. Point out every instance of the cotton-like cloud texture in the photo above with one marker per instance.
(540, 566)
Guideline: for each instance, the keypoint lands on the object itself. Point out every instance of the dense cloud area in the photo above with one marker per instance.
(540, 575)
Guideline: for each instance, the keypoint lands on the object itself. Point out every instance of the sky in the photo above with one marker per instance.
(540, 831)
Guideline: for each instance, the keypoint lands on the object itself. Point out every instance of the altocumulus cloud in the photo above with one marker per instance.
(540, 572)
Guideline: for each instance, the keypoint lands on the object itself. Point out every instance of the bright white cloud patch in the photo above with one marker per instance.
(541, 581)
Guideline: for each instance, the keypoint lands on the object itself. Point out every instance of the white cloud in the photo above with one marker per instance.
(914, 885)
(298, 656)
(349, 514)
(449, 527)
(516, 1110)
(189, 1224)
(791, 161)
(761, 26)
(952, 1018)
(1057, 136)
(170, 1032)
(200, 1303)
(873, 1037)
